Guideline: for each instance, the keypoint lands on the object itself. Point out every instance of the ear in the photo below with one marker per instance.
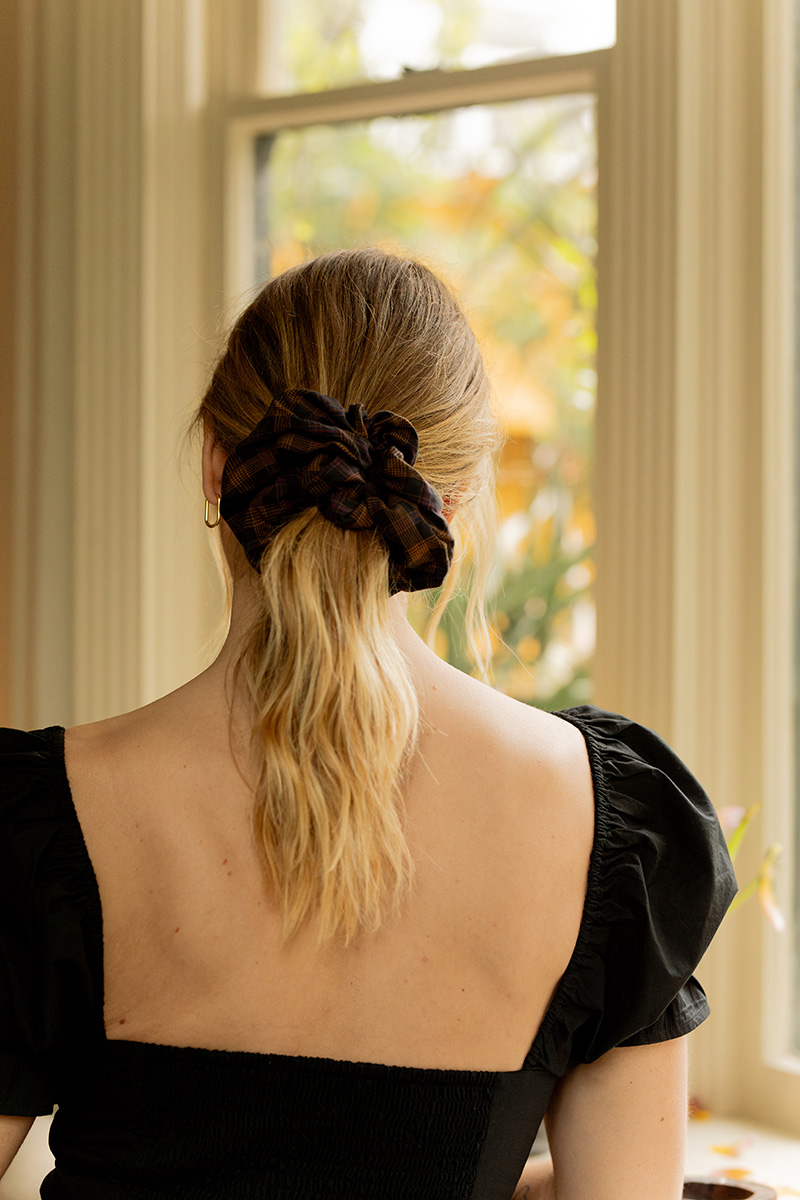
(214, 458)
(449, 505)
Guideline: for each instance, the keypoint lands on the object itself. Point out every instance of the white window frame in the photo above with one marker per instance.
(418, 92)
(694, 472)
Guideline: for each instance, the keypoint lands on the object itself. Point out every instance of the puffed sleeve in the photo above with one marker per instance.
(46, 988)
(660, 882)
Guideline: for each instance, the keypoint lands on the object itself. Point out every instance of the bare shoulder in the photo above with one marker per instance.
(92, 745)
(518, 821)
(521, 735)
(144, 752)
(111, 731)
(545, 748)
(96, 750)
(187, 715)
(529, 768)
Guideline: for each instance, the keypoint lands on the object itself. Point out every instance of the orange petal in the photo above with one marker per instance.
(697, 1110)
(734, 1149)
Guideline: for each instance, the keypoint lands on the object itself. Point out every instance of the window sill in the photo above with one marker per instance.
(720, 1143)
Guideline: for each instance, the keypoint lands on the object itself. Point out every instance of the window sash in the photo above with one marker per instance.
(418, 92)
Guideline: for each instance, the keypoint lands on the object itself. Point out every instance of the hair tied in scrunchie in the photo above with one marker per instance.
(356, 469)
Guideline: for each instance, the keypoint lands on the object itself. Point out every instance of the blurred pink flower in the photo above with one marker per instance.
(730, 817)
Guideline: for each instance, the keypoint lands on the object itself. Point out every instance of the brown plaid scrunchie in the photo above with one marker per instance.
(356, 469)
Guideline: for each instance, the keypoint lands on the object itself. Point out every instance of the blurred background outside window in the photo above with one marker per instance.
(311, 45)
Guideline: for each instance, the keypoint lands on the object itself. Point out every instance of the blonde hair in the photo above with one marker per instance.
(335, 711)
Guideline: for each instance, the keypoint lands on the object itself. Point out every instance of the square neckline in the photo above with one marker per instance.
(552, 1013)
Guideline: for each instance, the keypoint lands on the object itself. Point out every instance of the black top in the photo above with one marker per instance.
(142, 1121)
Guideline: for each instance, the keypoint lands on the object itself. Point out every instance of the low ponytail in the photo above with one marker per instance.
(335, 713)
(336, 721)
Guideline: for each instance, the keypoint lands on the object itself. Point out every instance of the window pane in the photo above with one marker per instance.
(313, 44)
(501, 200)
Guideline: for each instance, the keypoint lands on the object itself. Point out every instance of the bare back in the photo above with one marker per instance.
(500, 823)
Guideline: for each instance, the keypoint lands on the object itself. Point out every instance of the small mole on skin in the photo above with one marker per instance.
(122, 1021)
(224, 861)
(424, 958)
(230, 872)
(178, 929)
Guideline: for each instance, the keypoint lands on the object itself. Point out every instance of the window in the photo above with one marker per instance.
(499, 197)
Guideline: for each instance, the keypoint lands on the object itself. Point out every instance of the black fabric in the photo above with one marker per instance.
(519, 1100)
(660, 882)
(50, 923)
(167, 1123)
(150, 1122)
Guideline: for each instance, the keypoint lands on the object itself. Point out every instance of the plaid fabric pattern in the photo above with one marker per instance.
(356, 469)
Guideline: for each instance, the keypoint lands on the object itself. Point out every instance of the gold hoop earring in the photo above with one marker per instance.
(215, 523)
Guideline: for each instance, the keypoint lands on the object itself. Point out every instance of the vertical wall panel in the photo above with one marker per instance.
(41, 359)
(179, 609)
(107, 549)
(636, 366)
(781, 1016)
(115, 300)
(10, 25)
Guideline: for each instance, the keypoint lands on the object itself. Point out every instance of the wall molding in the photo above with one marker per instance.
(41, 361)
(779, 1017)
(635, 447)
(114, 597)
